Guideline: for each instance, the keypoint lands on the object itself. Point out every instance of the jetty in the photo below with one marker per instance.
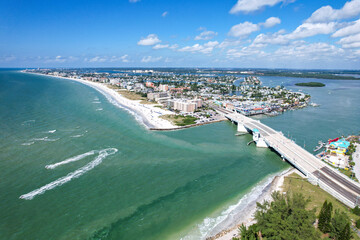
(317, 172)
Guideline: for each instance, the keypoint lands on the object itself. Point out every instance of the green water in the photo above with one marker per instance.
(158, 185)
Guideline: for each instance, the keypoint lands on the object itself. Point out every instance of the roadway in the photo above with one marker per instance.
(332, 181)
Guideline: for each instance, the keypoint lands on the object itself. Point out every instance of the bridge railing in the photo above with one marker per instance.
(316, 181)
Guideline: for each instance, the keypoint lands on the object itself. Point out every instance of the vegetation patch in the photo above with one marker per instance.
(310, 84)
(293, 215)
(180, 120)
(132, 95)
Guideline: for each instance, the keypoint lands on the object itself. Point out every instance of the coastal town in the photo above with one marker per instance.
(192, 97)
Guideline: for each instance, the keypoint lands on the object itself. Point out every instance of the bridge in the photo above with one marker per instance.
(317, 172)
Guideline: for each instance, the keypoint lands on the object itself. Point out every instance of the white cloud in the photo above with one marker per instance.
(164, 14)
(327, 13)
(150, 40)
(206, 35)
(312, 29)
(352, 41)
(229, 43)
(245, 52)
(97, 59)
(160, 46)
(352, 28)
(312, 51)
(102, 59)
(59, 59)
(274, 38)
(194, 48)
(163, 46)
(206, 48)
(147, 59)
(134, 1)
(174, 46)
(123, 59)
(247, 6)
(271, 21)
(303, 31)
(243, 29)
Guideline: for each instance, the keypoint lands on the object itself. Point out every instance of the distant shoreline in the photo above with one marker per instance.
(147, 114)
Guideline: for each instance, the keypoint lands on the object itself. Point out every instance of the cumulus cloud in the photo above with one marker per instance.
(206, 35)
(205, 48)
(164, 14)
(150, 40)
(244, 29)
(229, 43)
(196, 47)
(247, 6)
(327, 13)
(58, 59)
(148, 59)
(274, 38)
(312, 51)
(160, 46)
(174, 46)
(352, 41)
(102, 59)
(312, 29)
(244, 52)
(350, 29)
(163, 46)
(271, 21)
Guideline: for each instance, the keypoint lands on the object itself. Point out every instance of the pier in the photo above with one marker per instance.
(317, 172)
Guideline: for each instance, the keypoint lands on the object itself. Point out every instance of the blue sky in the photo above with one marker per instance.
(319, 34)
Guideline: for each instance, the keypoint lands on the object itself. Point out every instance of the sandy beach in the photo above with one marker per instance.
(146, 114)
(247, 217)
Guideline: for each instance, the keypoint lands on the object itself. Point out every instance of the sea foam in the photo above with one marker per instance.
(233, 214)
(60, 181)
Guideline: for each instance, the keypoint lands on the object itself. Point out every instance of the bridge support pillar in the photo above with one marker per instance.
(261, 143)
(241, 128)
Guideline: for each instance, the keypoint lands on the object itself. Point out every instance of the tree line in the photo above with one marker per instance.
(287, 217)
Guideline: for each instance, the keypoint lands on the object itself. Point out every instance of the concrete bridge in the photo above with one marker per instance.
(317, 172)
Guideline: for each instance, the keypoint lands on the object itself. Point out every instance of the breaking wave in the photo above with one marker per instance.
(60, 181)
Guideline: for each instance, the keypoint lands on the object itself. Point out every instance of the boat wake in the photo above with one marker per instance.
(52, 131)
(69, 160)
(44, 139)
(60, 181)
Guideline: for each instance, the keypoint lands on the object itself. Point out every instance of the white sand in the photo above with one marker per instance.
(147, 114)
(248, 219)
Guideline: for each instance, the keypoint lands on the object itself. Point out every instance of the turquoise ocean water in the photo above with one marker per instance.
(118, 180)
